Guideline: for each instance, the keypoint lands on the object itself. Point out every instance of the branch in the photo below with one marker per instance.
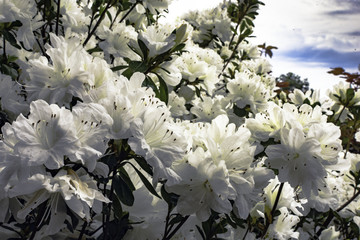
(108, 5)
(269, 221)
(57, 18)
(331, 214)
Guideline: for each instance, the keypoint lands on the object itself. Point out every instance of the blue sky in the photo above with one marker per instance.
(312, 36)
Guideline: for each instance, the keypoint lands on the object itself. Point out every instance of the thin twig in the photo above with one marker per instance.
(331, 214)
(177, 228)
(269, 221)
(102, 16)
(166, 230)
(4, 48)
(241, 17)
(82, 230)
(57, 18)
(128, 12)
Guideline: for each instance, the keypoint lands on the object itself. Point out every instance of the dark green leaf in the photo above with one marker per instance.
(144, 49)
(117, 207)
(178, 218)
(11, 39)
(163, 90)
(306, 101)
(197, 91)
(240, 112)
(128, 73)
(124, 176)
(138, 66)
(117, 68)
(109, 16)
(179, 47)
(95, 49)
(350, 93)
(146, 182)
(201, 232)
(123, 191)
(148, 82)
(110, 160)
(144, 165)
(170, 198)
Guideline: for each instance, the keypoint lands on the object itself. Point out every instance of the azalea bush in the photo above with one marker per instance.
(117, 124)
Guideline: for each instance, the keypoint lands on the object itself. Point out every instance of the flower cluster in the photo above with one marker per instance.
(117, 126)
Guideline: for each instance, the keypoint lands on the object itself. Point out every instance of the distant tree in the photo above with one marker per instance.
(290, 81)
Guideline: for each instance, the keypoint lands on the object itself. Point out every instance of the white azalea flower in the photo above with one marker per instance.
(158, 39)
(208, 108)
(249, 186)
(92, 125)
(157, 139)
(329, 234)
(298, 97)
(247, 89)
(73, 15)
(267, 123)
(328, 136)
(287, 199)
(177, 105)
(66, 188)
(328, 196)
(117, 40)
(155, 6)
(260, 66)
(204, 186)
(305, 116)
(339, 96)
(170, 72)
(297, 161)
(249, 50)
(11, 99)
(46, 135)
(282, 228)
(59, 81)
(357, 135)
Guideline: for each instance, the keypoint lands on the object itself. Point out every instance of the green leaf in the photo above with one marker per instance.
(179, 47)
(95, 49)
(120, 67)
(144, 165)
(110, 160)
(201, 232)
(138, 66)
(148, 82)
(128, 73)
(109, 16)
(197, 91)
(350, 93)
(123, 191)
(117, 207)
(170, 198)
(240, 112)
(146, 182)
(306, 101)
(178, 218)
(124, 176)
(144, 49)
(163, 90)
(11, 39)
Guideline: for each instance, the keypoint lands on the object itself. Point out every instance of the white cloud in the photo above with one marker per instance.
(321, 24)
